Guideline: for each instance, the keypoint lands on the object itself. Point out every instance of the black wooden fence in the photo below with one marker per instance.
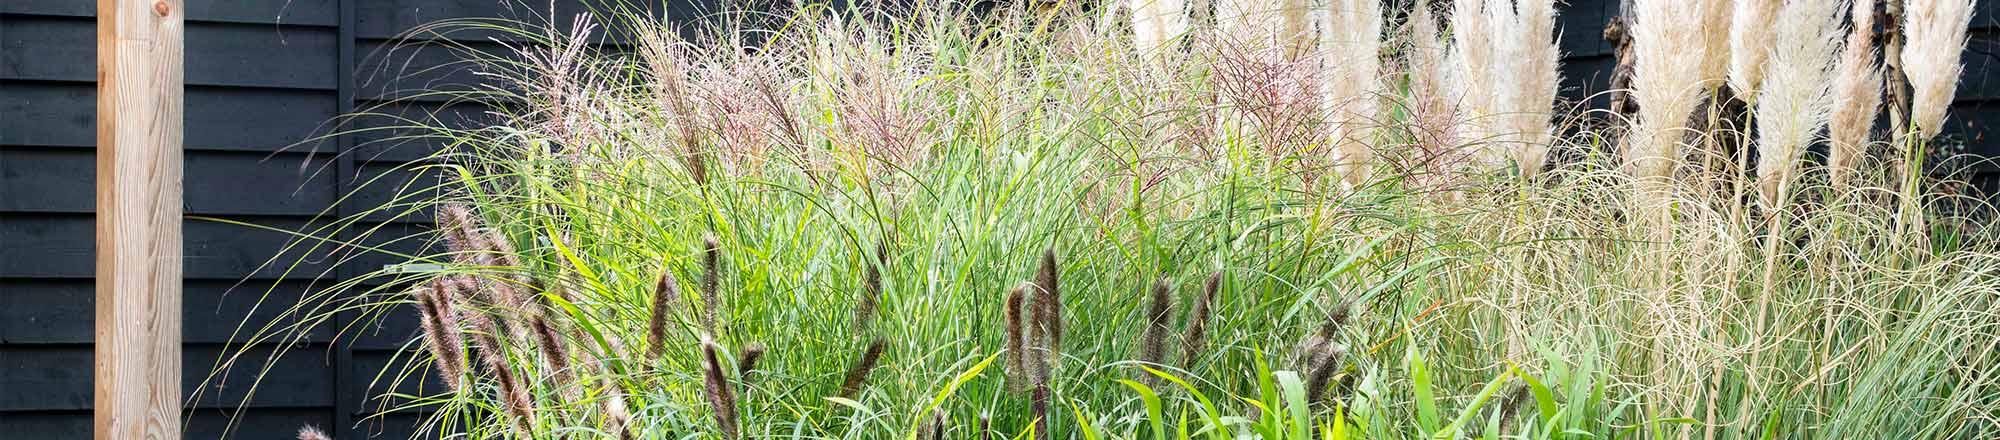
(266, 74)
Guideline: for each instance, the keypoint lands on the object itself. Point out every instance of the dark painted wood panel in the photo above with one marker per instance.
(395, 189)
(59, 246)
(52, 425)
(60, 311)
(217, 118)
(254, 423)
(63, 49)
(44, 378)
(1580, 25)
(382, 19)
(420, 69)
(388, 372)
(203, 424)
(394, 131)
(63, 180)
(299, 12)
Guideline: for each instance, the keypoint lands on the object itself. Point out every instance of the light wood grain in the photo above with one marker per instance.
(138, 343)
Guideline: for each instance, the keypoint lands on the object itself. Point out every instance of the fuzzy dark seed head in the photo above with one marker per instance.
(720, 398)
(665, 293)
(748, 361)
(858, 374)
(1050, 296)
(1016, 337)
(711, 281)
(1197, 320)
(1153, 339)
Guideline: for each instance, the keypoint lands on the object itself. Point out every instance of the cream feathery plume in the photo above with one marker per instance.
(1157, 22)
(1857, 96)
(1255, 25)
(1471, 74)
(1750, 40)
(1537, 62)
(1294, 27)
(1236, 22)
(1797, 94)
(1934, 35)
(1431, 105)
(1350, 55)
(1715, 28)
(1666, 80)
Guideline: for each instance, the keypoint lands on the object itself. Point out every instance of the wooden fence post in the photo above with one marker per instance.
(138, 347)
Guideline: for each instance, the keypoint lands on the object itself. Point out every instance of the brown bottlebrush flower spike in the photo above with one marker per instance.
(1016, 337)
(514, 396)
(1039, 405)
(1050, 299)
(748, 360)
(720, 398)
(869, 303)
(456, 222)
(1197, 320)
(617, 418)
(665, 293)
(711, 281)
(551, 345)
(311, 433)
(1325, 362)
(858, 374)
(1153, 340)
(441, 335)
(985, 426)
(933, 428)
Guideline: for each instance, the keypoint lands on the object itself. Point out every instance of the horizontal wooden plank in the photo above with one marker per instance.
(387, 372)
(288, 12)
(393, 190)
(1982, 63)
(256, 423)
(1586, 79)
(48, 425)
(399, 69)
(60, 311)
(396, 18)
(219, 54)
(397, 131)
(61, 180)
(1580, 24)
(43, 378)
(397, 426)
(216, 118)
(399, 238)
(217, 423)
(59, 246)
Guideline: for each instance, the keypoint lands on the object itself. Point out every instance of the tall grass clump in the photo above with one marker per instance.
(1189, 220)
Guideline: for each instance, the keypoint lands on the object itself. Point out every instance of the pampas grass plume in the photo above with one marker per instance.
(1750, 39)
(1350, 84)
(1796, 99)
(1857, 96)
(1935, 35)
(1666, 79)
(1157, 22)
